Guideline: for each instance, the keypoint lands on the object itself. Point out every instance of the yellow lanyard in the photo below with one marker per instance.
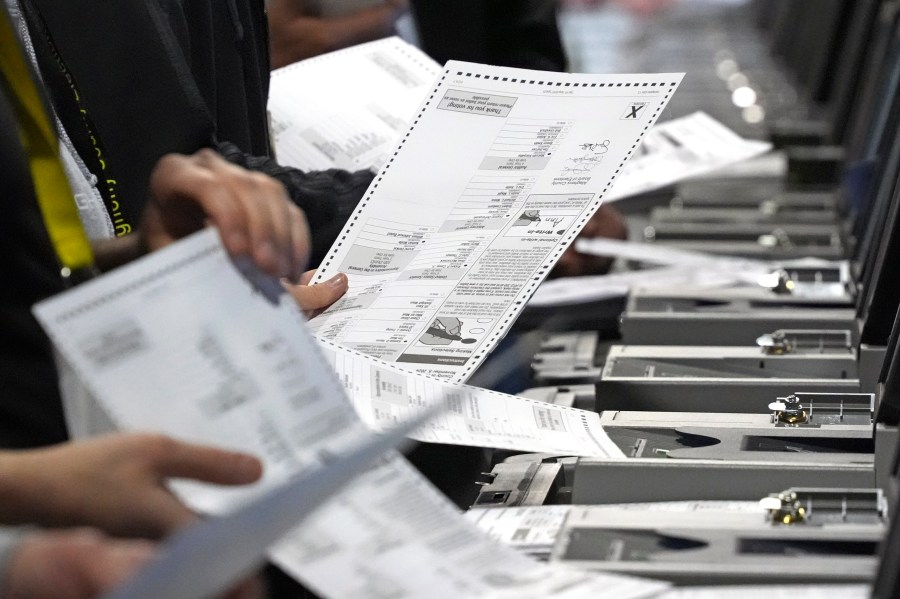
(51, 186)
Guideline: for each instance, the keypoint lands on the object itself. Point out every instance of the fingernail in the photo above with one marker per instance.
(337, 281)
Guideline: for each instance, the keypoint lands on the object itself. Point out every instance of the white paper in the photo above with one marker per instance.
(203, 560)
(684, 268)
(679, 507)
(530, 529)
(822, 591)
(401, 538)
(534, 529)
(500, 170)
(770, 165)
(384, 395)
(744, 269)
(185, 324)
(348, 108)
(682, 148)
(181, 342)
(577, 290)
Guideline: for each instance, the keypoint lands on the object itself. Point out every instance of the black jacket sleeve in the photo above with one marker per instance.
(327, 197)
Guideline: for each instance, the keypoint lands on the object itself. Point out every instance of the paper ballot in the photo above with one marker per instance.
(354, 121)
(228, 388)
(185, 343)
(204, 560)
(534, 529)
(742, 269)
(530, 529)
(818, 591)
(578, 290)
(499, 171)
(682, 148)
(347, 109)
(384, 395)
(683, 270)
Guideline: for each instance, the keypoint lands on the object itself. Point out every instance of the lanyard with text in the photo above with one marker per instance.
(51, 186)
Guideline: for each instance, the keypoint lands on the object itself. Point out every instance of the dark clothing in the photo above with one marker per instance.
(327, 197)
(142, 108)
(30, 405)
(226, 47)
(509, 33)
(177, 75)
(141, 102)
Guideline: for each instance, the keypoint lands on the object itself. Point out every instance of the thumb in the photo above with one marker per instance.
(315, 298)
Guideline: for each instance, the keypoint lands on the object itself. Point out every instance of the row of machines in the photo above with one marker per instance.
(783, 392)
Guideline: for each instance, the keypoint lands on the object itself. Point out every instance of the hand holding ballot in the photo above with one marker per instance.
(251, 210)
(115, 483)
(82, 563)
(313, 299)
(72, 564)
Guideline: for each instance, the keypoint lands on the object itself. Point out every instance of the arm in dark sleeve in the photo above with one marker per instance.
(327, 197)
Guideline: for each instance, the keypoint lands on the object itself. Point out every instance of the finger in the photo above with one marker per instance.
(306, 277)
(253, 212)
(269, 196)
(278, 232)
(188, 193)
(260, 221)
(208, 464)
(119, 561)
(302, 240)
(158, 514)
(312, 298)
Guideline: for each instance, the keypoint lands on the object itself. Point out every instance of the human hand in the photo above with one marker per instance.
(313, 299)
(115, 483)
(251, 210)
(83, 563)
(606, 222)
(71, 564)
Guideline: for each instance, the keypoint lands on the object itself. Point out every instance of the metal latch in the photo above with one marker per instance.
(789, 410)
(784, 508)
(818, 507)
(778, 281)
(775, 344)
